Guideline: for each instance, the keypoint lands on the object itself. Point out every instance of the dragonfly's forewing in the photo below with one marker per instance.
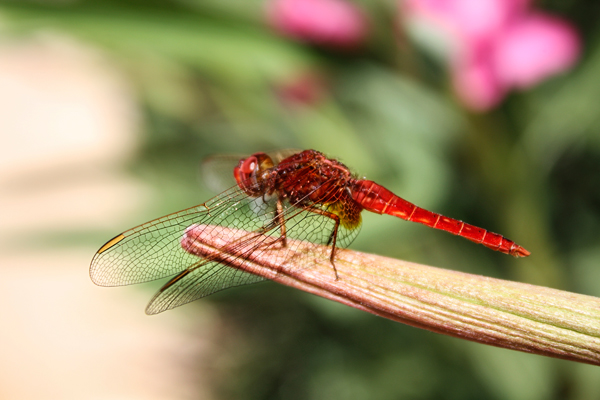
(152, 251)
(216, 171)
(279, 155)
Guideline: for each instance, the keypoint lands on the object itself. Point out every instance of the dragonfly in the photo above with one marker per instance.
(300, 195)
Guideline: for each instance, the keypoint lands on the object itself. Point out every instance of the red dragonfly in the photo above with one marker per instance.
(305, 196)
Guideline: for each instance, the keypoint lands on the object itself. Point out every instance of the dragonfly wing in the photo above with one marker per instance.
(305, 222)
(307, 225)
(279, 155)
(210, 276)
(153, 250)
(216, 171)
(199, 281)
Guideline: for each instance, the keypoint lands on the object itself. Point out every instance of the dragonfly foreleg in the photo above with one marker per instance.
(281, 221)
(277, 221)
(333, 236)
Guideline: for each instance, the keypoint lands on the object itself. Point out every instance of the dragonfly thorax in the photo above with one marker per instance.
(309, 177)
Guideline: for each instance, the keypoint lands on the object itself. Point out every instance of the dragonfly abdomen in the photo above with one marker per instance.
(375, 198)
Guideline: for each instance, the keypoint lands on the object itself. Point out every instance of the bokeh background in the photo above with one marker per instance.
(487, 111)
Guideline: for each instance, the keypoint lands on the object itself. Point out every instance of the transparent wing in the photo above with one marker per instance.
(216, 171)
(194, 283)
(209, 276)
(279, 155)
(153, 250)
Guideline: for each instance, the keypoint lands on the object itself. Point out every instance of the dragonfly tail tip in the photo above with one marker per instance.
(519, 252)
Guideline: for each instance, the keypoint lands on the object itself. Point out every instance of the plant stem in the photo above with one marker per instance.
(496, 312)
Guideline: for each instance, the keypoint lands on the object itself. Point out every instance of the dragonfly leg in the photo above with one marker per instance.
(281, 221)
(333, 237)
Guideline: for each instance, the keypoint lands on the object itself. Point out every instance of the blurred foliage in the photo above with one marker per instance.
(208, 73)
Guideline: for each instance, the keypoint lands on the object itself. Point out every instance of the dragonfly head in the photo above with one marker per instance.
(250, 173)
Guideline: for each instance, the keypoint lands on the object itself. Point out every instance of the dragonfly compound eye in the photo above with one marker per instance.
(249, 166)
(247, 175)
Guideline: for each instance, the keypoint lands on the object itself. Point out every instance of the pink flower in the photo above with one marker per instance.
(534, 48)
(304, 89)
(471, 20)
(334, 23)
(499, 45)
(476, 83)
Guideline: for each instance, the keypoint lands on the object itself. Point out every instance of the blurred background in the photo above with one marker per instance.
(483, 110)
